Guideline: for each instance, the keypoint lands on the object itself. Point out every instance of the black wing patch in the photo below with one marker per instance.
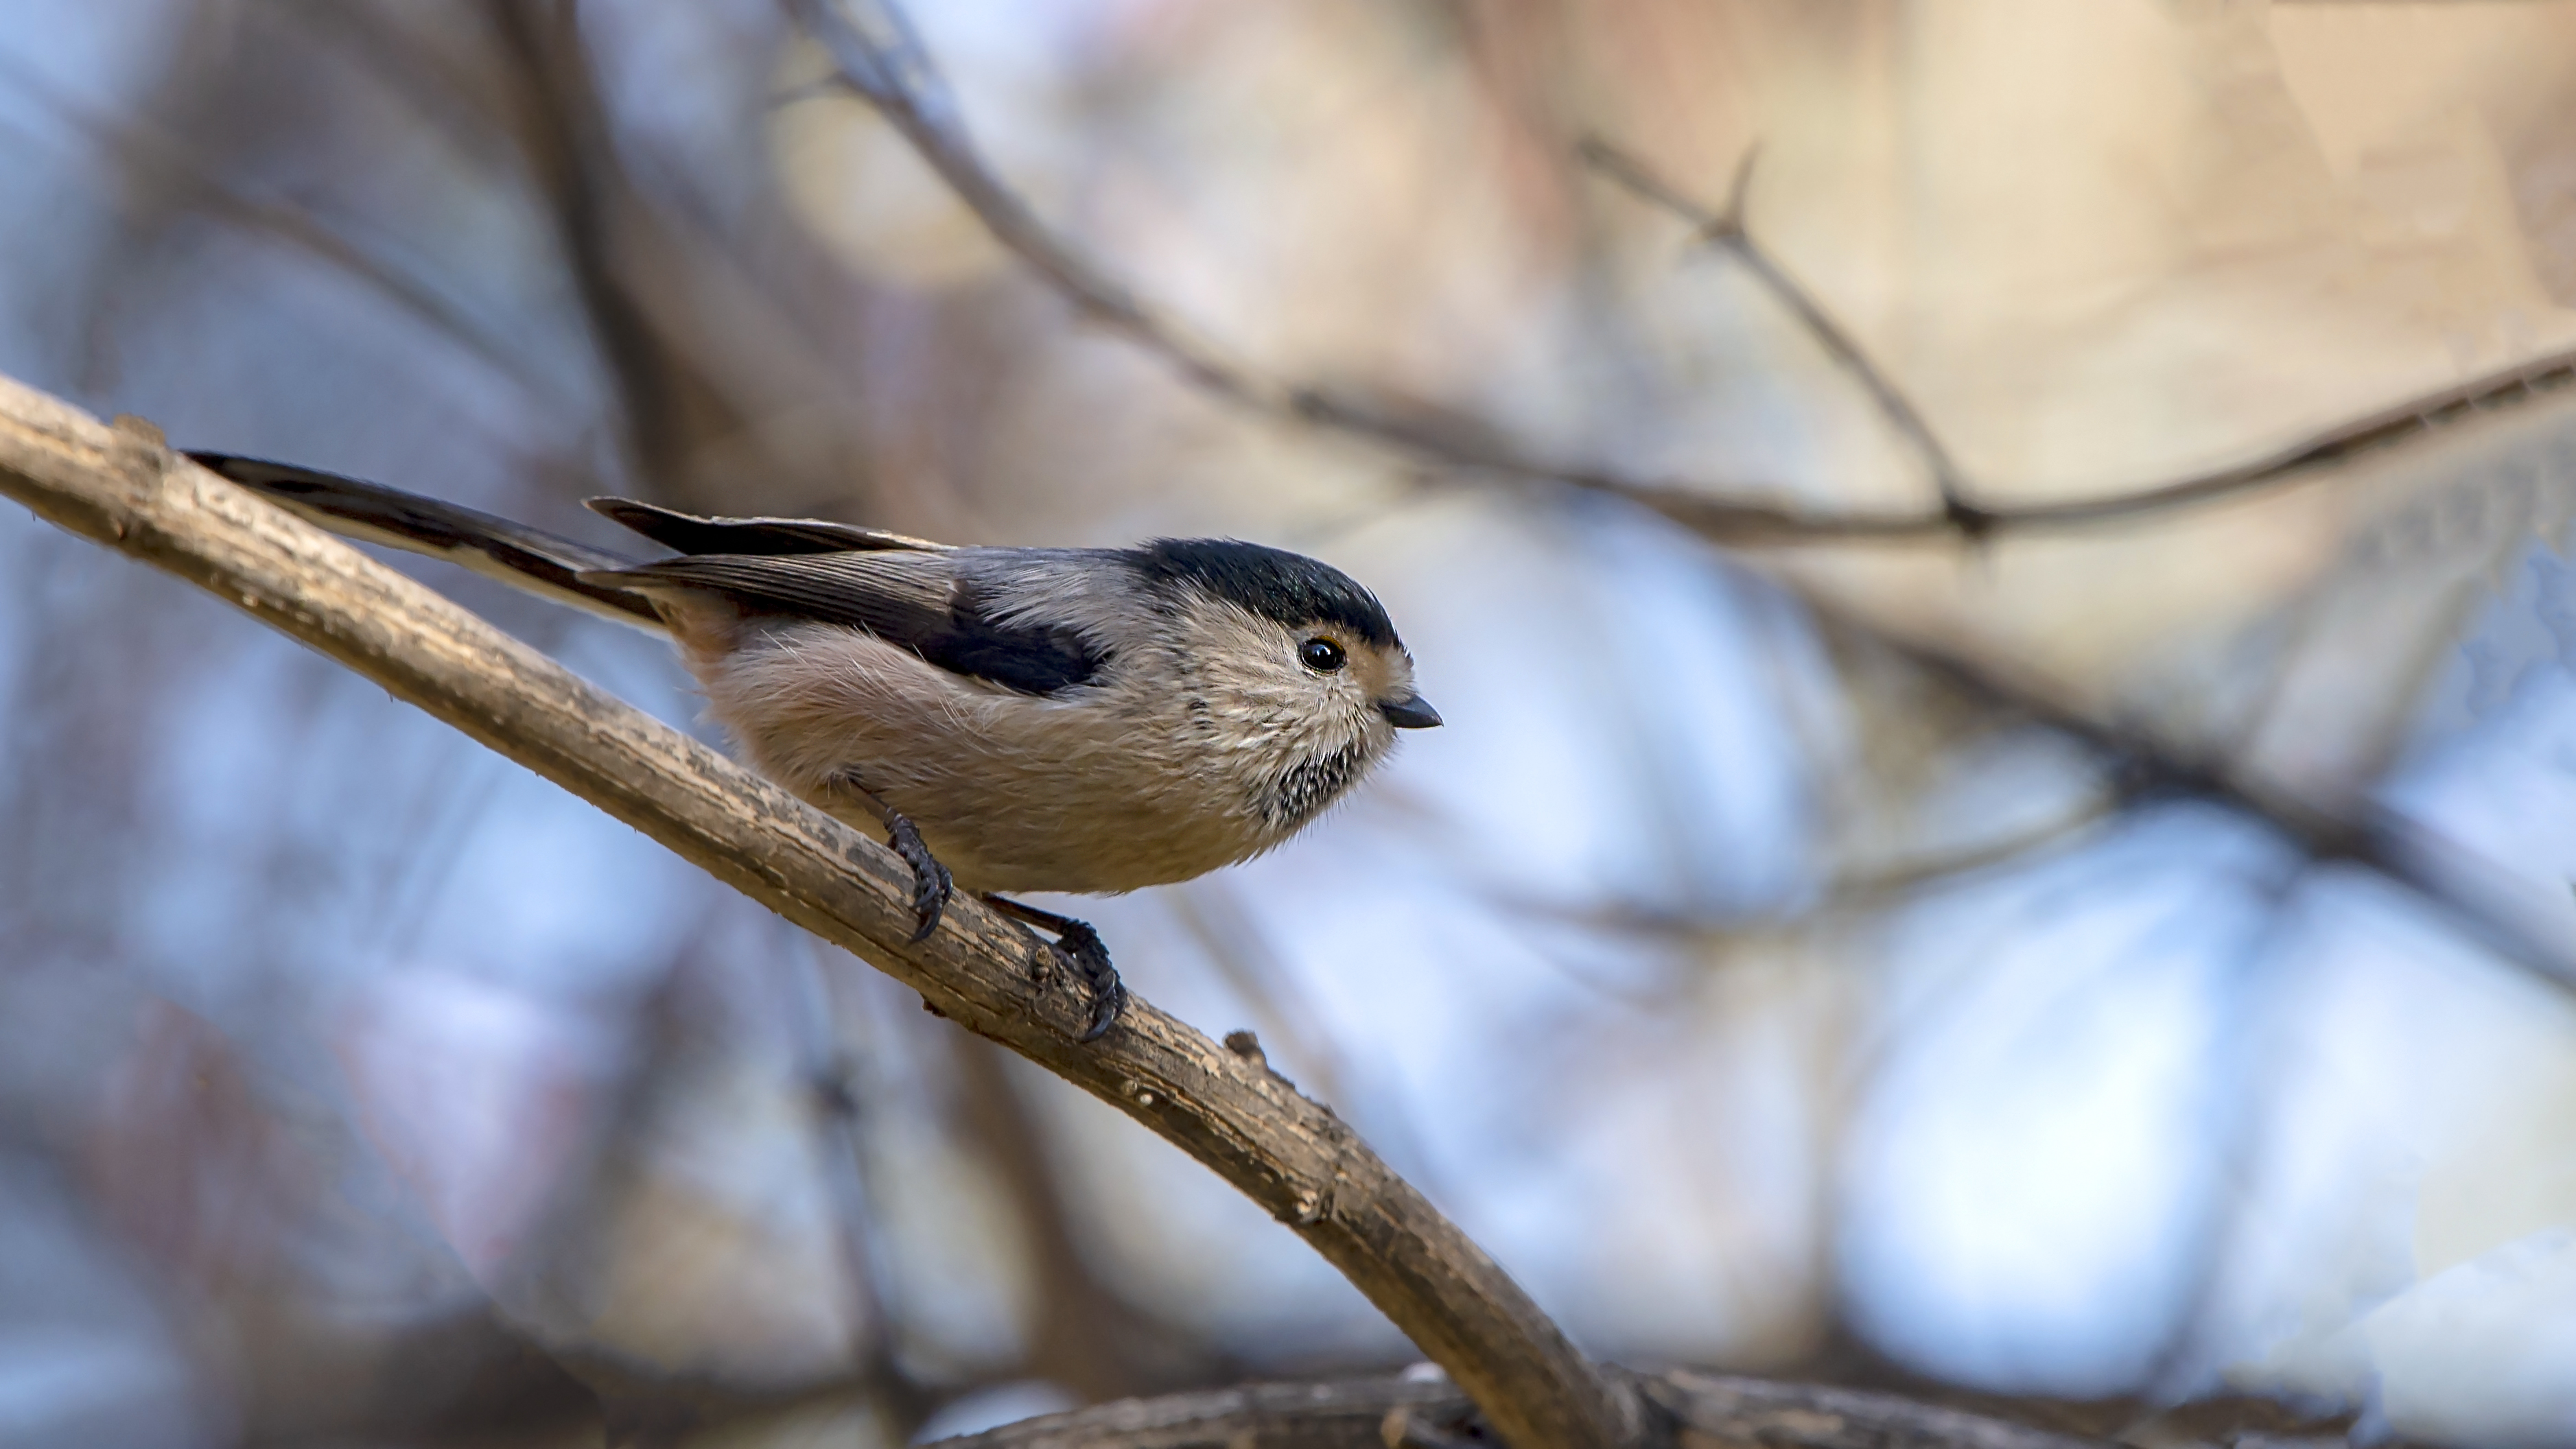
(769, 537)
(1024, 657)
(911, 599)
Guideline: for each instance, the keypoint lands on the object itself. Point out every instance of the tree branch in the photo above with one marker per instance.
(2473, 895)
(669, 408)
(1421, 1413)
(877, 54)
(2301, 461)
(123, 488)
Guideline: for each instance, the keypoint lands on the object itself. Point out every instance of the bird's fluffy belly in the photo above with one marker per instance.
(1090, 793)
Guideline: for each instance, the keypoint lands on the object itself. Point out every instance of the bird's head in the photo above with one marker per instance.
(1295, 669)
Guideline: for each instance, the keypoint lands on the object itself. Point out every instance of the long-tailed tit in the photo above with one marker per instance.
(1016, 719)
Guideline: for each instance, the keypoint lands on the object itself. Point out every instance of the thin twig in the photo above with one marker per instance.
(1888, 885)
(878, 54)
(1727, 231)
(824, 1069)
(2251, 1068)
(123, 488)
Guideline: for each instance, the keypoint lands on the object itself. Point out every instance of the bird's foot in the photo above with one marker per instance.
(931, 885)
(1081, 949)
(1077, 949)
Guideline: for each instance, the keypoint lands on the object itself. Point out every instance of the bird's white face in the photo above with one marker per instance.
(1297, 713)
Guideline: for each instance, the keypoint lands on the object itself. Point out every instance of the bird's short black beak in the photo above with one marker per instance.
(1412, 712)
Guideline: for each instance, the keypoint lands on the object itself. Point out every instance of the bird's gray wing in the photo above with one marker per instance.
(692, 533)
(916, 599)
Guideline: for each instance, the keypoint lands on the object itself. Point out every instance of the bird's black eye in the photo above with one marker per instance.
(1322, 655)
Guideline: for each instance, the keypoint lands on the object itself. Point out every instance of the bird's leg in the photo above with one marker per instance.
(1079, 948)
(931, 885)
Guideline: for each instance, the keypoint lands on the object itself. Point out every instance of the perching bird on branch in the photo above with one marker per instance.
(1057, 719)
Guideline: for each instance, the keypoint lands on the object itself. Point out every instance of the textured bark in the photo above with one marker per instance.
(121, 487)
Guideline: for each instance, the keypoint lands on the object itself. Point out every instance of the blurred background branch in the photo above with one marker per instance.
(1420, 1412)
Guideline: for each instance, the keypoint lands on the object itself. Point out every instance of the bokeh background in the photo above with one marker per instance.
(1762, 996)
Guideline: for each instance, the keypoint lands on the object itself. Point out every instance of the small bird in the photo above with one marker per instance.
(1089, 720)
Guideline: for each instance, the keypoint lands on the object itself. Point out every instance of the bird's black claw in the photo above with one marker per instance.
(1081, 950)
(1077, 950)
(931, 885)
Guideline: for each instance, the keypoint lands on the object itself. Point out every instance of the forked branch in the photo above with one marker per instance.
(1727, 231)
(2309, 459)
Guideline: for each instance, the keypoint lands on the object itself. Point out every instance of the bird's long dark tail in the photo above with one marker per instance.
(517, 555)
